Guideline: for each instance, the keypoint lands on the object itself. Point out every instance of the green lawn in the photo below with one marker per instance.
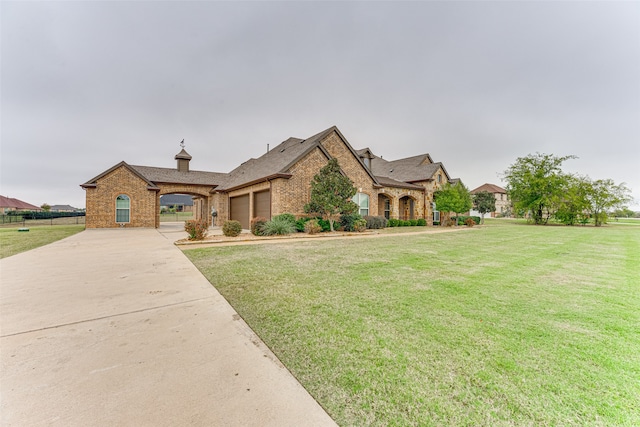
(506, 324)
(176, 216)
(13, 241)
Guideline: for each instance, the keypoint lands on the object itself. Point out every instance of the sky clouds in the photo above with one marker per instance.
(475, 84)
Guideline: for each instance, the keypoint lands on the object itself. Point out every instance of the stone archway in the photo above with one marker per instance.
(407, 208)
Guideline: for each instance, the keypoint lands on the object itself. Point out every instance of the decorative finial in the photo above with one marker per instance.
(182, 143)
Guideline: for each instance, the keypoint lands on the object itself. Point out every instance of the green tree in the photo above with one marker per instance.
(574, 206)
(603, 195)
(452, 198)
(535, 183)
(331, 193)
(45, 207)
(484, 202)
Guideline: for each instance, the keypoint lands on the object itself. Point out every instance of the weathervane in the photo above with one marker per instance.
(182, 143)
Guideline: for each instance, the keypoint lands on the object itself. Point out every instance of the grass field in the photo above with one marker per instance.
(507, 324)
(13, 241)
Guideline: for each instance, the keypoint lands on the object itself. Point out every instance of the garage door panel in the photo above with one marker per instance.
(239, 210)
(262, 204)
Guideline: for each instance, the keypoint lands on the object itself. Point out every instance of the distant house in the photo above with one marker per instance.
(503, 204)
(176, 202)
(279, 181)
(63, 208)
(8, 204)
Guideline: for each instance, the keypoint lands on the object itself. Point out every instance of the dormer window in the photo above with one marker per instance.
(439, 178)
(367, 162)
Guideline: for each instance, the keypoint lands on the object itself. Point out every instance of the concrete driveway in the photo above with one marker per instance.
(116, 327)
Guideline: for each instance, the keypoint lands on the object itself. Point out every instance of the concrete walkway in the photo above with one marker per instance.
(116, 327)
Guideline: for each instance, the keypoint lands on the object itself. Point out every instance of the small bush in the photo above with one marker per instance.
(196, 228)
(375, 222)
(359, 225)
(324, 223)
(311, 226)
(421, 222)
(413, 222)
(257, 224)
(469, 222)
(231, 228)
(286, 217)
(300, 224)
(347, 221)
(279, 226)
(392, 222)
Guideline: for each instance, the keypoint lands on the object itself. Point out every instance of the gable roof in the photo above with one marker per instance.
(62, 208)
(491, 188)
(409, 169)
(174, 176)
(277, 162)
(9, 202)
(152, 175)
(94, 181)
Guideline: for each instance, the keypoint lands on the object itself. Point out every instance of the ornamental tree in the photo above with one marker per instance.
(331, 193)
(603, 195)
(452, 198)
(536, 183)
(484, 202)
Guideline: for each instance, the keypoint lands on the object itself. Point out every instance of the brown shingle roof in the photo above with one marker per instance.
(173, 176)
(409, 169)
(280, 159)
(8, 202)
(491, 188)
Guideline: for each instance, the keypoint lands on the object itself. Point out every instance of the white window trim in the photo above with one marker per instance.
(128, 209)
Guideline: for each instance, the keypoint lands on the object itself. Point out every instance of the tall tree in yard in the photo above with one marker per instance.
(331, 193)
(452, 198)
(604, 194)
(535, 183)
(484, 202)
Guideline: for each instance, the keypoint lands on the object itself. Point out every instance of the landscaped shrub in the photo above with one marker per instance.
(461, 220)
(413, 222)
(231, 228)
(196, 228)
(392, 222)
(280, 225)
(359, 225)
(347, 221)
(421, 222)
(291, 218)
(469, 222)
(375, 222)
(324, 223)
(300, 224)
(257, 224)
(311, 226)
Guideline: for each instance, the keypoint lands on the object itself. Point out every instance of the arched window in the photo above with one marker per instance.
(123, 207)
(362, 200)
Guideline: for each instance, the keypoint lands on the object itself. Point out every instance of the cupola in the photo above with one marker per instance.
(183, 159)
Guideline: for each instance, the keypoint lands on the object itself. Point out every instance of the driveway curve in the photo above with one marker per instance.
(117, 327)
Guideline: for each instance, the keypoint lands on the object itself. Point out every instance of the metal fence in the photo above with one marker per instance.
(41, 218)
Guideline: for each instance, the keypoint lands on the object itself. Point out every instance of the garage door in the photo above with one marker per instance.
(262, 204)
(240, 210)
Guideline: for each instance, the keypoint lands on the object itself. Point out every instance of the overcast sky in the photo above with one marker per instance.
(86, 85)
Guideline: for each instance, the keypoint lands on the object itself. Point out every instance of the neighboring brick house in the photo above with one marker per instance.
(503, 204)
(8, 204)
(275, 183)
(176, 202)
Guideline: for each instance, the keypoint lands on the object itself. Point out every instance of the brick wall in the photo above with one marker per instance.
(101, 201)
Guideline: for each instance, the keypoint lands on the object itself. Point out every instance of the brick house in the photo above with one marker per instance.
(274, 183)
(503, 204)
